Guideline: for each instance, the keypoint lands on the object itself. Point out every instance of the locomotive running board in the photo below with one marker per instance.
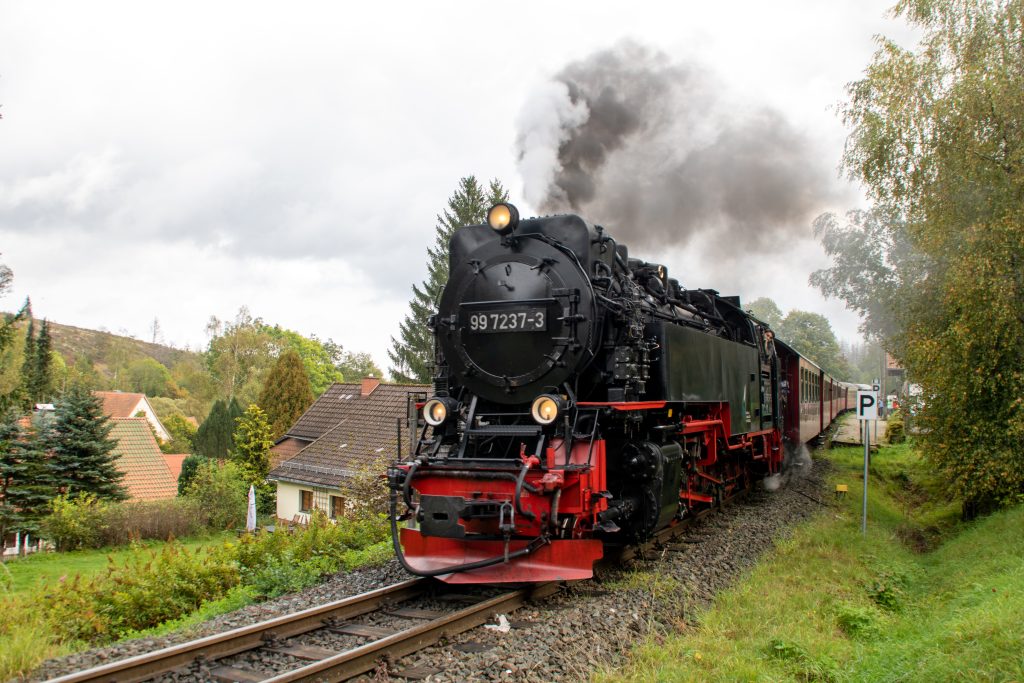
(565, 560)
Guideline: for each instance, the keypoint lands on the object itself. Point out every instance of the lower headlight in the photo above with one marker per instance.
(546, 408)
(437, 410)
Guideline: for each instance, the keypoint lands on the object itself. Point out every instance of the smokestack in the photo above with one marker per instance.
(368, 385)
(650, 149)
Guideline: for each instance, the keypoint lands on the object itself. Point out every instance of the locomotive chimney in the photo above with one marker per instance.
(369, 384)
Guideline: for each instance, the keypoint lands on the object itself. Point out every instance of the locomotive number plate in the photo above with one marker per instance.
(520, 319)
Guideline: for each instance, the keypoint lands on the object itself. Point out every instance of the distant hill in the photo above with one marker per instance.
(105, 348)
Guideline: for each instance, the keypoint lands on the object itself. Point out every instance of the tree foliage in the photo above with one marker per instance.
(239, 353)
(10, 351)
(79, 440)
(215, 437)
(151, 377)
(26, 486)
(812, 335)
(354, 366)
(286, 393)
(412, 356)
(767, 310)
(182, 433)
(937, 138)
(320, 360)
(253, 440)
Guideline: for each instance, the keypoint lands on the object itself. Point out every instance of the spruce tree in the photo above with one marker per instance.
(11, 471)
(253, 440)
(26, 484)
(286, 393)
(79, 440)
(28, 365)
(42, 374)
(412, 356)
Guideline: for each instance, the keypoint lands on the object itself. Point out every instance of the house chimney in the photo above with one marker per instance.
(369, 384)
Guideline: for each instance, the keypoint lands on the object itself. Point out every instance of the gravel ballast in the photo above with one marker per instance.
(566, 636)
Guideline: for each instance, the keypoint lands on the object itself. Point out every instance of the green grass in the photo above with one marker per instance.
(922, 597)
(42, 616)
(21, 575)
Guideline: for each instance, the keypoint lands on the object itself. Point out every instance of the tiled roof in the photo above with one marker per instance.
(325, 412)
(119, 403)
(363, 430)
(173, 462)
(146, 475)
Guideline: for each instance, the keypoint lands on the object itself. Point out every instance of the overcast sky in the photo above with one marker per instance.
(179, 160)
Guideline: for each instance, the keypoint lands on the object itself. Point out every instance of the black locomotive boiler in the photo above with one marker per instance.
(584, 398)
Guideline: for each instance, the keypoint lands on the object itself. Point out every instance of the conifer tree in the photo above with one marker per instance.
(286, 393)
(11, 470)
(214, 437)
(28, 365)
(251, 452)
(412, 356)
(26, 485)
(79, 440)
(189, 467)
(42, 375)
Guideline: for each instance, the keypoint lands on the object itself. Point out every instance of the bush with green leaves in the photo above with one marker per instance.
(895, 431)
(221, 493)
(88, 522)
(74, 523)
(147, 590)
(284, 561)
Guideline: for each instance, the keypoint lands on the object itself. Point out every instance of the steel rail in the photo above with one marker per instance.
(365, 657)
(146, 666)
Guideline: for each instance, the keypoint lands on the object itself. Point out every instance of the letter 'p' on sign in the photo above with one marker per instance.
(867, 405)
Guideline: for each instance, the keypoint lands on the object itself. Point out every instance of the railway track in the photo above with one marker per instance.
(411, 629)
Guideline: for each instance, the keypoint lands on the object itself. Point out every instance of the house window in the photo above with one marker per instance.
(337, 507)
(305, 501)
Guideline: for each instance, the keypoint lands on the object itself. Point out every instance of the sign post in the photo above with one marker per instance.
(877, 388)
(867, 410)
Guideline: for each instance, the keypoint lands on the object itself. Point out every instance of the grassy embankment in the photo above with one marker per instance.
(922, 597)
(23, 575)
(55, 604)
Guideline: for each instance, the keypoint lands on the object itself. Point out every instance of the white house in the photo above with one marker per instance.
(124, 404)
(349, 427)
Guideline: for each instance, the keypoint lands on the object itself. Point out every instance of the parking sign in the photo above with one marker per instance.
(867, 405)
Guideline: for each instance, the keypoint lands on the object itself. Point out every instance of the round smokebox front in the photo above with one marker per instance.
(518, 323)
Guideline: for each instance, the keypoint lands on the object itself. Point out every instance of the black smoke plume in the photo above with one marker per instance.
(652, 150)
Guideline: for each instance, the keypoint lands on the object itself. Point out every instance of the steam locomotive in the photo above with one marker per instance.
(584, 399)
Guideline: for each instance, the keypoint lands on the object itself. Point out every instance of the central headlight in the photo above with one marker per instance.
(546, 408)
(503, 218)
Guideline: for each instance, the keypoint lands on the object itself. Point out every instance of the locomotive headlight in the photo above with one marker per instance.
(503, 218)
(437, 410)
(546, 408)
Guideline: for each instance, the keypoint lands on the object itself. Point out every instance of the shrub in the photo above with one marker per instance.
(87, 522)
(189, 466)
(79, 522)
(148, 589)
(221, 493)
(283, 561)
(895, 431)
